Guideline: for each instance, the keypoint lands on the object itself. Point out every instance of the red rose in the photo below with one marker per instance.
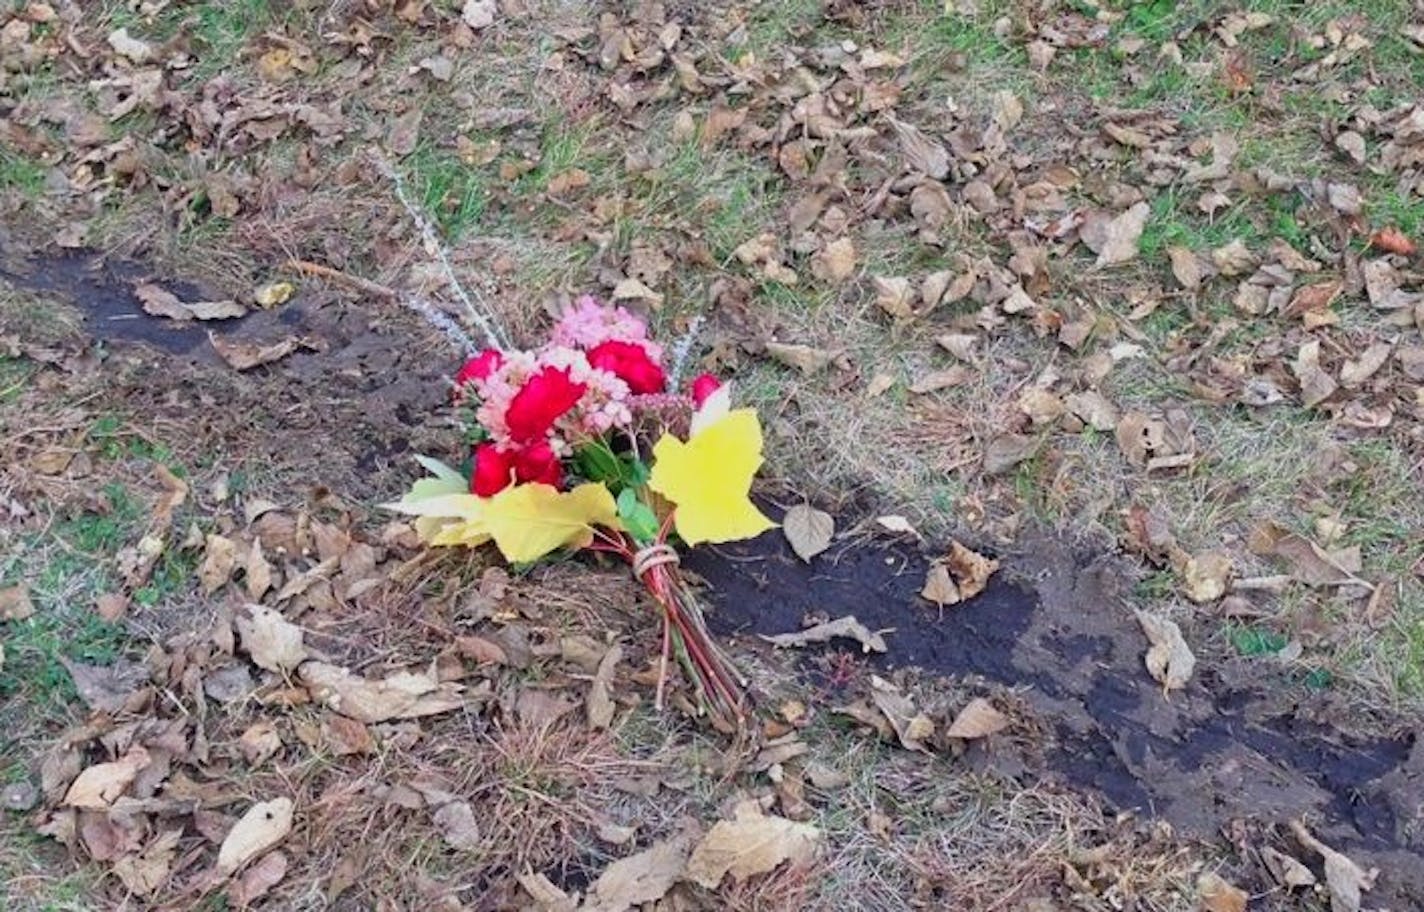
(492, 470)
(540, 402)
(704, 386)
(480, 366)
(630, 363)
(537, 463)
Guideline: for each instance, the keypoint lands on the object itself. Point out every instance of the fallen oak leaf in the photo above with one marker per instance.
(1169, 660)
(846, 628)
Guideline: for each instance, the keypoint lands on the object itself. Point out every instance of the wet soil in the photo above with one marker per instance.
(364, 390)
(1241, 744)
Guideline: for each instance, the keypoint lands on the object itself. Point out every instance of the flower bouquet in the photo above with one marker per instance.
(585, 443)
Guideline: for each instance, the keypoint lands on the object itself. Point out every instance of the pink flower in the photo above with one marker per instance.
(587, 324)
(480, 366)
(629, 362)
(543, 399)
(702, 387)
(492, 471)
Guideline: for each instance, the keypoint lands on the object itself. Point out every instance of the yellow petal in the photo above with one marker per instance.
(530, 520)
(709, 478)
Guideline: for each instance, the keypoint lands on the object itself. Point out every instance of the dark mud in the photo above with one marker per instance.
(103, 292)
(364, 390)
(1240, 744)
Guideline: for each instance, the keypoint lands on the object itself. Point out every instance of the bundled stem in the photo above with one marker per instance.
(721, 690)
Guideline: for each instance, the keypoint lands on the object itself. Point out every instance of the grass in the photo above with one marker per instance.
(21, 174)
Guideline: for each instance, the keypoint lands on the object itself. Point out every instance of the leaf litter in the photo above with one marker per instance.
(949, 155)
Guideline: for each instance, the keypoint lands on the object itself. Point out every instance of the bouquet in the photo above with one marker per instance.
(584, 443)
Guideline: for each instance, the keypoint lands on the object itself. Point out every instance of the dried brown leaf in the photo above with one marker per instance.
(971, 569)
(978, 719)
(922, 153)
(145, 872)
(1123, 234)
(1169, 660)
(638, 879)
(939, 586)
(1348, 882)
(804, 358)
(243, 356)
(808, 530)
(264, 825)
(847, 628)
(15, 604)
(895, 296)
(1217, 895)
(1206, 575)
(1316, 384)
(273, 642)
(456, 822)
(258, 880)
(403, 695)
(911, 726)
(99, 786)
(599, 706)
(835, 262)
(749, 843)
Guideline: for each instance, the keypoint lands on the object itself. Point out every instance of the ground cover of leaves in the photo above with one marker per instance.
(1140, 273)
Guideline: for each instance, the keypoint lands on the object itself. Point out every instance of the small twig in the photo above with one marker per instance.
(478, 314)
(307, 267)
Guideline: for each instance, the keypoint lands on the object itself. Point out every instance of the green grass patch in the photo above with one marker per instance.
(454, 193)
(1256, 641)
(20, 173)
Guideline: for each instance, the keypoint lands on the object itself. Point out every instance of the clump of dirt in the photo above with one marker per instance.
(1233, 747)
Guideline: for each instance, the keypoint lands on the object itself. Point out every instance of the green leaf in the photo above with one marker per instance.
(638, 518)
(439, 469)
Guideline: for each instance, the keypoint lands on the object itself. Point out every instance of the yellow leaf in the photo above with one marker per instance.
(709, 478)
(530, 520)
(446, 512)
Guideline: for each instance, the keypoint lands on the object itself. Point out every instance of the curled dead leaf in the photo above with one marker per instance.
(1169, 660)
(846, 628)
